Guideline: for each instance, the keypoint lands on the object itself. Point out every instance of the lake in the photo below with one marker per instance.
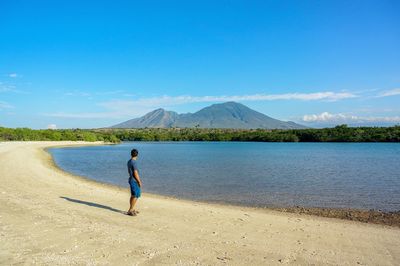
(334, 175)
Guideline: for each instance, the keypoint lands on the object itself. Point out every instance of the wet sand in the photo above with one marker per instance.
(365, 216)
(48, 216)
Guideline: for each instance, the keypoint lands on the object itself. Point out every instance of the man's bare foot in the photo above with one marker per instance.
(131, 213)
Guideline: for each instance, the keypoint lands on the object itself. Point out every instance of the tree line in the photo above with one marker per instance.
(27, 134)
(341, 133)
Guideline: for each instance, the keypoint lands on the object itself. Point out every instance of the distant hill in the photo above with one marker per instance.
(223, 115)
(157, 119)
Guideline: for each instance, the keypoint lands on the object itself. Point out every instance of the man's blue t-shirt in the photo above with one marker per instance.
(132, 166)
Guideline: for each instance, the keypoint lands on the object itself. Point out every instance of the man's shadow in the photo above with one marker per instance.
(92, 204)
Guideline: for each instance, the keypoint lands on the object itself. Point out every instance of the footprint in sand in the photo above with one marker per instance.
(285, 260)
(224, 258)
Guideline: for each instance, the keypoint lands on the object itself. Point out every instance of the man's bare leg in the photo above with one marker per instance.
(132, 202)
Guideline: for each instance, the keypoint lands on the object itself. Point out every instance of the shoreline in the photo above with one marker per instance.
(49, 216)
(390, 218)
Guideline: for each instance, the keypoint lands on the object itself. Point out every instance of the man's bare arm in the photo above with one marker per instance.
(136, 175)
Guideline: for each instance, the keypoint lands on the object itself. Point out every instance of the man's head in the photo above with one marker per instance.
(134, 153)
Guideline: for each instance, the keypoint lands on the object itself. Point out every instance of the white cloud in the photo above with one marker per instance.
(6, 87)
(77, 93)
(10, 88)
(133, 108)
(143, 105)
(326, 117)
(109, 92)
(13, 75)
(392, 92)
(81, 115)
(101, 115)
(4, 105)
(183, 99)
(52, 126)
(330, 96)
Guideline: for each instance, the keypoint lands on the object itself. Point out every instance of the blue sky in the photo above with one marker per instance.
(97, 63)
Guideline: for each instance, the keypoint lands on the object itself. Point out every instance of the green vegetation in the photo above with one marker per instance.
(26, 134)
(341, 133)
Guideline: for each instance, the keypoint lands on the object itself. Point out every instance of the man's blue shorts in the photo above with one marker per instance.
(135, 189)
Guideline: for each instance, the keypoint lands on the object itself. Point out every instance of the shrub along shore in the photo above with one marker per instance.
(341, 133)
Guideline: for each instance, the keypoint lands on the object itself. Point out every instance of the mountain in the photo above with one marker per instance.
(158, 118)
(223, 115)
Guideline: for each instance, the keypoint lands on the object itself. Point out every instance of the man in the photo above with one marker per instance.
(134, 182)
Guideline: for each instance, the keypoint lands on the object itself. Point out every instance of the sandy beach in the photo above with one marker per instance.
(51, 217)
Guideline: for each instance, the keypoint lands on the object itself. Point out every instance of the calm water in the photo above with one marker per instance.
(354, 175)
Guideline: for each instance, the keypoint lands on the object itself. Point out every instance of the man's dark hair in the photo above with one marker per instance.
(134, 152)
